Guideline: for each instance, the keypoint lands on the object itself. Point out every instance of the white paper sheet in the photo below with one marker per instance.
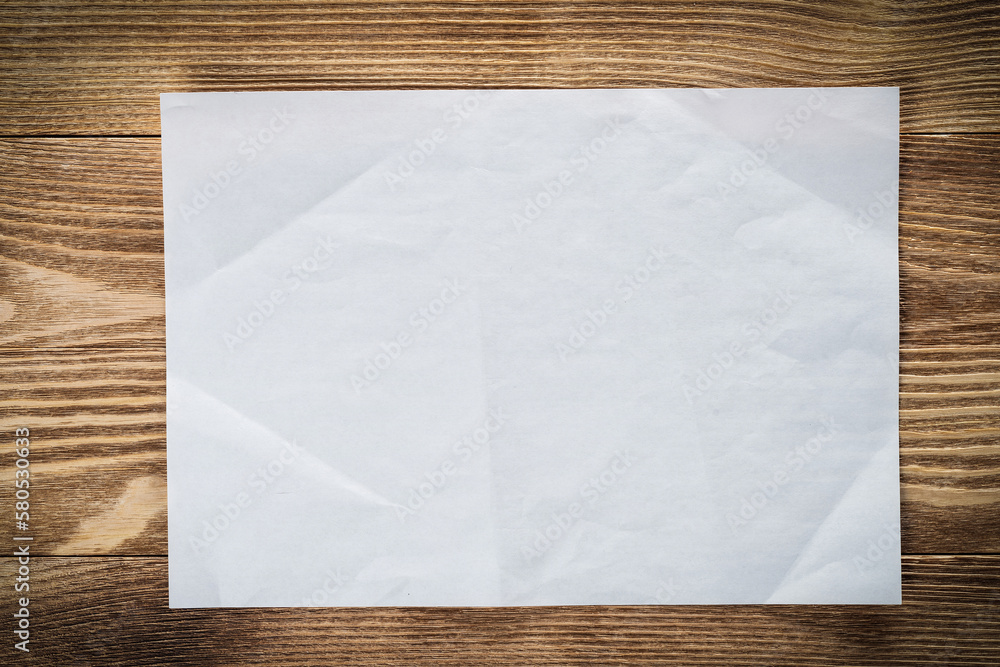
(532, 347)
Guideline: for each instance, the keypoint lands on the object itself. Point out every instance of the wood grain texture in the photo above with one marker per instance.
(113, 611)
(97, 67)
(949, 236)
(81, 234)
(83, 341)
(82, 323)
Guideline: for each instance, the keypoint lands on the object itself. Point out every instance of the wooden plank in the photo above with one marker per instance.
(82, 242)
(98, 457)
(97, 417)
(113, 611)
(97, 67)
(950, 343)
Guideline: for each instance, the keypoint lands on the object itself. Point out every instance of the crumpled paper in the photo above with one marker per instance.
(532, 347)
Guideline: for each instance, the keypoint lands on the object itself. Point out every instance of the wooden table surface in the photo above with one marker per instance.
(82, 322)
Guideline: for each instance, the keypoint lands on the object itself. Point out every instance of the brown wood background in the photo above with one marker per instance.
(82, 324)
